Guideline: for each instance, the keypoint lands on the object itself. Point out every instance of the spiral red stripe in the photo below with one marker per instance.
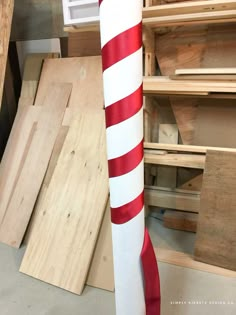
(127, 212)
(125, 108)
(127, 162)
(100, 1)
(121, 46)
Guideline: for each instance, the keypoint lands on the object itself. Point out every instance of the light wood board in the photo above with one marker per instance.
(197, 71)
(26, 190)
(6, 11)
(216, 232)
(15, 153)
(101, 273)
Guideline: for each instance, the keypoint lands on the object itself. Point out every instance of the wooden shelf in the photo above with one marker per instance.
(198, 12)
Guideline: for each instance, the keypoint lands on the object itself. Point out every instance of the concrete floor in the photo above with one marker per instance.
(23, 295)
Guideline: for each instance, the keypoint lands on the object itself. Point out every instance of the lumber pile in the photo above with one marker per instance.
(53, 177)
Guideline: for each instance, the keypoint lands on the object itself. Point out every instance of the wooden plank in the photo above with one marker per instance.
(187, 261)
(189, 8)
(206, 77)
(172, 199)
(153, 85)
(21, 204)
(73, 207)
(216, 234)
(6, 10)
(191, 19)
(167, 176)
(32, 71)
(215, 123)
(184, 148)
(15, 153)
(101, 274)
(180, 160)
(196, 71)
(178, 220)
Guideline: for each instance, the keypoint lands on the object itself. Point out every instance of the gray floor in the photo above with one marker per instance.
(22, 295)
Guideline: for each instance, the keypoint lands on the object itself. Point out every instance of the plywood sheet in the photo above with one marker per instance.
(6, 11)
(215, 124)
(216, 232)
(20, 207)
(101, 273)
(71, 213)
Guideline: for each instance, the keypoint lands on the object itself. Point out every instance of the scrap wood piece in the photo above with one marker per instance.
(6, 11)
(31, 76)
(187, 261)
(179, 220)
(216, 232)
(20, 207)
(71, 213)
(206, 77)
(101, 273)
(15, 153)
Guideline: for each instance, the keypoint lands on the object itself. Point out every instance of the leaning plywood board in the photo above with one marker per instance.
(71, 213)
(101, 274)
(15, 153)
(215, 124)
(6, 10)
(216, 231)
(26, 190)
(32, 70)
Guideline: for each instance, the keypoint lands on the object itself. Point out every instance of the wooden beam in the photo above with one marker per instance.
(160, 84)
(184, 148)
(196, 71)
(172, 199)
(181, 160)
(192, 18)
(187, 261)
(207, 77)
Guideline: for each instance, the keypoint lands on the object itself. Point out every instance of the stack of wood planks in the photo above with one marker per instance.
(53, 177)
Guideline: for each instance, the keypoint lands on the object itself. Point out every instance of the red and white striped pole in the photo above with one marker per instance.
(136, 274)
